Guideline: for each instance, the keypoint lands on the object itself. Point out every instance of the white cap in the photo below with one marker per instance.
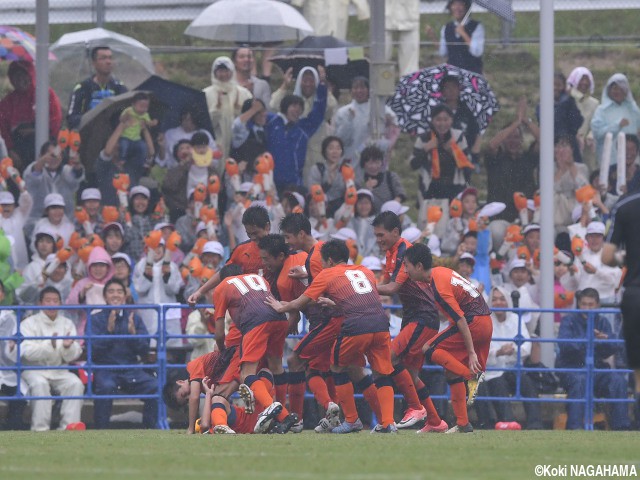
(46, 231)
(394, 206)
(161, 225)
(6, 198)
(530, 228)
(122, 256)
(299, 198)
(213, 247)
(372, 263)
(411, 234)
(90, 194)
(245, 187)
(345, 234)
(364, 191)
(595, 227)
(467, 256)
(53, 200)
(113, 225)
(140, 189)
(201, 226)
(517, 263)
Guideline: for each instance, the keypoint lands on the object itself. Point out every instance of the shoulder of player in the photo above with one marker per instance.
(239, 249)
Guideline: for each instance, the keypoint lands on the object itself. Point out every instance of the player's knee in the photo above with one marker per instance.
(341, 378)
(364, 383)
(428, 354)
(384, 381)
(454, 380)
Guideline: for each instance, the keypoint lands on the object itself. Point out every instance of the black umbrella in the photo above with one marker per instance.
(310, 53)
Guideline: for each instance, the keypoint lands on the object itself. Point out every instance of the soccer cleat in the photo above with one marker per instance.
(468, 428)
(348, 427)
(286, 425)
(472, 388)
(297, 427)
(508, 426)
(324, 426)
(391, 428)
(246, 394)
(411, 417)
(333, 414)
(223, 429)
(441, 428)
(265, 419)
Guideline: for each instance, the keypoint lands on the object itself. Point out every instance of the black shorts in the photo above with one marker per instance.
(630, 307)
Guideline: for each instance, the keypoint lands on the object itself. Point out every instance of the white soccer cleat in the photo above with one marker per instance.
(223, 429)
(266, 418)
(246, 394)
(333, 414)
(324, 426)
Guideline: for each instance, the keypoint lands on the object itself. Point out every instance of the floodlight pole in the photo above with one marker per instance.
(547, 62)
(42, 74)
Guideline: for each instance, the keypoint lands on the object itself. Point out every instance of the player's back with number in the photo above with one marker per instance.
(456, 296)
(352, 288)
(244, 296)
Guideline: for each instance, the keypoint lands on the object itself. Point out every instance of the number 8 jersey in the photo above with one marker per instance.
(353, 289)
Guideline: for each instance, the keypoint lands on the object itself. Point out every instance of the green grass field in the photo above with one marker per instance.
(157, 454)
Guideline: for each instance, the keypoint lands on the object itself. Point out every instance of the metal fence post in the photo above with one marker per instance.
(589, 382)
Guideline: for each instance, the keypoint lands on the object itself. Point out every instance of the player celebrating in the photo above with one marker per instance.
(419, 324)
(466, 340)
(364, 331)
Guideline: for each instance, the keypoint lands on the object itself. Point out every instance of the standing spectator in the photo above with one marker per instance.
(48, 175)
(331, 17)
(188, 126)
(569, 176)
(12, 221)
(462, 43)
(224, 100)
(141, 222)
(618, 112)
(572, 355)
(463, 119)
(91, 91)
(244, 63)
(383, 184)
(107, 165)
(112, 321)
(403, 17)
(249, 139)
(580, 85)
(328, 174)
(49, 322)
(361, 223)
(17, 114)
(54, 219)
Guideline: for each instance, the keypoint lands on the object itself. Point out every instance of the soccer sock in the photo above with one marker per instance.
(218, 414)
(296, 392)
(459, 401)
(402, 378)
(370, 394)
(318, 387)
(344, 390)
(281, 382)
(449, 362)
(259, 389)
(423, 394)
(267, 378)
(385, 397)
(331, 387)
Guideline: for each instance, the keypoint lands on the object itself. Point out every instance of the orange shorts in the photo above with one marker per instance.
(315, 346)
(244, 422)
(351, 351)
(481, 329)
(265, 340)
(233, 370)
(407, 346)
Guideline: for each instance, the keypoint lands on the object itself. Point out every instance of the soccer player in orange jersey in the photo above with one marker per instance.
(263, 334)
(420, 322)
(364, 331)
(462, 348)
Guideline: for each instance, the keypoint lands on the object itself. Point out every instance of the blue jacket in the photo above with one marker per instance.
(572, 355)
(117, 351)
(288, 143)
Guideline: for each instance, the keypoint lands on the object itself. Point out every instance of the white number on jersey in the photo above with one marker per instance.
(460, 281)
(253, 282)
(359, 281)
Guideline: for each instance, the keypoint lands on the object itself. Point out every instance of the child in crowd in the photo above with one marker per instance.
(113, 238)
(122, 270)
(457, 226)
(383, 184)
(54, 219)
(34, 280)
(135, 142)
(90, 200)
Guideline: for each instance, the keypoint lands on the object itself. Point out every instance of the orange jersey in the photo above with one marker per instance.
(456, 296)
(352, 288)
(290, 288)
(244, 296)
(247, 255)
(212, 365)
(313, 263)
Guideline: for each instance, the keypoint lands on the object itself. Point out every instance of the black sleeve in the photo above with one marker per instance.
(77, 105)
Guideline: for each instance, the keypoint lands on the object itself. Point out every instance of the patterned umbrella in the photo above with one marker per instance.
(418, 92)
(16, 44)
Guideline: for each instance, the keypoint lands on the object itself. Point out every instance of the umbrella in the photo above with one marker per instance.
(249, 21)
(132, 59)
(501, 8)
(16, 44)
(98, 123)
(310, 53)
(177, 97)
(418, 92)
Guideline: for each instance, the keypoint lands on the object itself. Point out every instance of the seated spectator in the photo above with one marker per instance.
(13, 221)
(569, 176)
(197, 325)
(113, 238)
(383, 184)
(141, 221)
(90, 199)
(361, 223)
(113, 321)
(580, 86)
(8, 379)
(50, 322)
(328, 174)
(123, 271)
(572, 355)
(458, 226)
(34, 279)
(188, 126)
(504, 354)
(415, 235)
(521, 281)
(466, 265)
(54, 219)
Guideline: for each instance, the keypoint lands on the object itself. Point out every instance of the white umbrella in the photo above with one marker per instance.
(132, 59)
(249, 21)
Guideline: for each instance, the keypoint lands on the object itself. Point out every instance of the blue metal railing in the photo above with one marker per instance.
(161, 366)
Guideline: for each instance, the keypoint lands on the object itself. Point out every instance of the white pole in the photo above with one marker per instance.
(42, 73)
(376, 52)
(546, 175)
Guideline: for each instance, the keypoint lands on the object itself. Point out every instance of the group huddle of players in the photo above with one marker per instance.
(292, 272)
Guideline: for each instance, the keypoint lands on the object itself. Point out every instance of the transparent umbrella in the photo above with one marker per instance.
(132, 59)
